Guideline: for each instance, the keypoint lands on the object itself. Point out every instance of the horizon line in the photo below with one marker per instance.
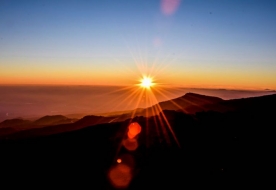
(175, 86)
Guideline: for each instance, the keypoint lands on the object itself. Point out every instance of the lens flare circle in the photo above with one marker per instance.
(120, 175)
(133, 130)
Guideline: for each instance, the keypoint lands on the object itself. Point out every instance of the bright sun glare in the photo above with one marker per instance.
(146, 82)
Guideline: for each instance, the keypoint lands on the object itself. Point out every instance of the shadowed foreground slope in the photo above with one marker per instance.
(223, 147)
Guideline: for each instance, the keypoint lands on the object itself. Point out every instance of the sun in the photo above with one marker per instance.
(146, 82)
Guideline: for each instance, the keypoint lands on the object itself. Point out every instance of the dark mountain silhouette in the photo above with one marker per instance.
(14, 122)
(217, 148)
(92, 120)
(10, 126)
(43, 121)
(59, 128)
(16, 125)
(7, 130)
(190, 103)
(53, 120)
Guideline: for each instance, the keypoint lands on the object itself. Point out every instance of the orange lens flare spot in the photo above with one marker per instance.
(133, 130)
(119, 160)
(130, 135)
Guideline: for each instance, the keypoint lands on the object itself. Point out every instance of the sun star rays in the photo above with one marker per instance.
(143, 96)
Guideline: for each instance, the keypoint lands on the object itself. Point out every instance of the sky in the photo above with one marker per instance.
(189, 43)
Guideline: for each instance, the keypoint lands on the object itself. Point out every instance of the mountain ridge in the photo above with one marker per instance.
(190, 104)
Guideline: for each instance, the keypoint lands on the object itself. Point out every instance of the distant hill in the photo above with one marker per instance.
(39, 127)
(16, 125)
(53, 120)
(14, 122)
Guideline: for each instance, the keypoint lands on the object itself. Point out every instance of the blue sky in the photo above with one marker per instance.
(227, 40)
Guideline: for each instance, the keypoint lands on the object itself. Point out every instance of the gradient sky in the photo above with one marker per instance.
(218, 43)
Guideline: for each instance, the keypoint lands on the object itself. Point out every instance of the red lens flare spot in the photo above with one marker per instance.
(130, 144)
(120, 175)
(133, 130)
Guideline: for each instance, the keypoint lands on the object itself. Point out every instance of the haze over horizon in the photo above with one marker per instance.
(205, 44)
(31, 101)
